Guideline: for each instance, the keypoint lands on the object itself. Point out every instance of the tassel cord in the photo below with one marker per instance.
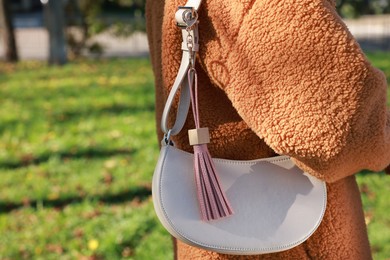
(212, 199)
(193, 76)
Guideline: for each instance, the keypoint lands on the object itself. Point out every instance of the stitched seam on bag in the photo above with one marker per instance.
(245, 162)
(233, 249)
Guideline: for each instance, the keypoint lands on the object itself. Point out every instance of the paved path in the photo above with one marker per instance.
(32, 43)
(372, 32)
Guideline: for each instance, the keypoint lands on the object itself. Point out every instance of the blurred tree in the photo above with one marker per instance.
(134, 9)
(356, 8)
(118, 17)
(55, 22)
(83, 23)
(11, 52)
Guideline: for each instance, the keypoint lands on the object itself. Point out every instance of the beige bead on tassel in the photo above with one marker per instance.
(199, 136)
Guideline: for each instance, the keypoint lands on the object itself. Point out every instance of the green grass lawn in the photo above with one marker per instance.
(77, 152)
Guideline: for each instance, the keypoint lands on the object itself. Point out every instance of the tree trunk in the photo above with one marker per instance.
(55, 23)
(7, 29)
(365, 8)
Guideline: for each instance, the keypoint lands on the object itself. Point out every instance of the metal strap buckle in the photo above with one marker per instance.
(186, 17)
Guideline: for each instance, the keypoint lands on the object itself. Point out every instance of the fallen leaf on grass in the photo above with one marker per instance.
(54, 248)
(78, 232)
(53, 196)
(110, 164)
(26, 201)
(146, 185)
(364, 188)
(108, 178)
(93, 244)
(92, 257)
(115, 134)
(127, 252)
(92, 214)
(80, 190)
(24, 253)
(38, 250)
(27, 159)
(136, 202)
(7, 68)
(368, 217)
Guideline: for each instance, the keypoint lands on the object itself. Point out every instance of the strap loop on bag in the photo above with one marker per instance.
(186, 18)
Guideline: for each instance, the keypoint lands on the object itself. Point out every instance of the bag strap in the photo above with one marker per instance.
(187, 19)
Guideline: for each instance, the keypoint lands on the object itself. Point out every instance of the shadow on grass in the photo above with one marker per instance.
(368, 173)
(28, 160)
(115, 109)
(82, 114)
(139, 193)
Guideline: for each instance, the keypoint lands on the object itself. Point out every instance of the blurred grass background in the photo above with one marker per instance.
(77, 153)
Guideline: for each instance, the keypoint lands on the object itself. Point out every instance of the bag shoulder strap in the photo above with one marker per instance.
(186, 18)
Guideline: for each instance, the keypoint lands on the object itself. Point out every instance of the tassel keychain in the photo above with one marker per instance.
(212, 199)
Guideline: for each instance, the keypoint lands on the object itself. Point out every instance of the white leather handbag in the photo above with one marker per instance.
(228, 206)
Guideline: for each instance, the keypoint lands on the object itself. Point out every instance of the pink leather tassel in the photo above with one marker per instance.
(212, 199)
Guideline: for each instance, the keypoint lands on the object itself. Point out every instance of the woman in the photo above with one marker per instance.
(284, 77)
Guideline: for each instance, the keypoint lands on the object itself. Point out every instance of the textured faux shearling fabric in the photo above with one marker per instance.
(283, 77)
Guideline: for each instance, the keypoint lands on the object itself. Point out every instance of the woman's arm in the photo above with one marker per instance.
(299, 79)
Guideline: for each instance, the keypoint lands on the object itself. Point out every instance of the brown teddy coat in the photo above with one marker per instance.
(283, 77)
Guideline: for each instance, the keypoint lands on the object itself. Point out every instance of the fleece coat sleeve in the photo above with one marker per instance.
(301, 82)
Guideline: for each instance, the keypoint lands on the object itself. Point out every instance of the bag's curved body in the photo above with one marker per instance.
(290, 73)
(276, 205)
